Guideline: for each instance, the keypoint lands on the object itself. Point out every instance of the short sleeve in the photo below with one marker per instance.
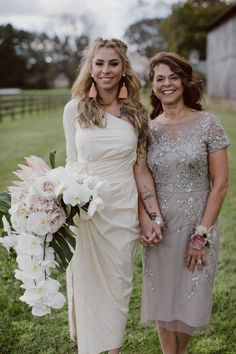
(217, 138)
(69, 124)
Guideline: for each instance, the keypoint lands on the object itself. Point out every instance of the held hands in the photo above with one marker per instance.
(195, 258)
(151, 232)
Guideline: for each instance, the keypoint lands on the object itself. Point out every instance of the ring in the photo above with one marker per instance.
(199, 261)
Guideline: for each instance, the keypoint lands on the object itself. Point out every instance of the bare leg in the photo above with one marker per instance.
(114, 351)
(168, 340)
(182, 342)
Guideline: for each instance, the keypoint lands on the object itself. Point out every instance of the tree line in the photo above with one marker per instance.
(33, 60)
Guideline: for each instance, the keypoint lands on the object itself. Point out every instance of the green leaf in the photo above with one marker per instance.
(69, 236)
(52, 159)
(5, 199)
(5, 204)
(59, 255)
(68, 210)
(59, 238)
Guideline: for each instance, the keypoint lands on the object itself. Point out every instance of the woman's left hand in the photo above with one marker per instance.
(151, 233)
(195, 257)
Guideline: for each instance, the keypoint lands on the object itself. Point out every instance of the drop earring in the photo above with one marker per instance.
(93, 91)
(123, 91)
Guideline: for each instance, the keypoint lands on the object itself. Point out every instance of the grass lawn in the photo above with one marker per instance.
(21, 333)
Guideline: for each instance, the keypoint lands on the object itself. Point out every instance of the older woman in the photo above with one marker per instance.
(187, 156)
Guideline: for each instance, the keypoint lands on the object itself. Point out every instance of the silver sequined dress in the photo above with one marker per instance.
(178, 158)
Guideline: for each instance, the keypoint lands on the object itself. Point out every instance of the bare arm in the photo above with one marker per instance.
(144, 180)
(147, 193)
(218, 170)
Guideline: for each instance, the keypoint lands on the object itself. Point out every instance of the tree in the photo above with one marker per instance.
(12, 64)
(33, 60)
(186, 28)
(145, 36)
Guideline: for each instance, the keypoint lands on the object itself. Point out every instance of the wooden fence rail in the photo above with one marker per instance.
(21, 104)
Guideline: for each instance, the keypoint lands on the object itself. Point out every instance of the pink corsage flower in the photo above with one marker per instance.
(198, 241)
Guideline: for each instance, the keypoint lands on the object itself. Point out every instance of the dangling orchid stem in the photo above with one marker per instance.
(44, 253)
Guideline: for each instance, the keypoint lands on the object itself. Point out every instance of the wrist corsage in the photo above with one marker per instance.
(200, 238)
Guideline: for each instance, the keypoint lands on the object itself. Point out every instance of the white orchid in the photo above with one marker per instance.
(8, 241)
(38, 223)
(19, 214)
(95, 205)
(19, 274)
(31, 267)
(6, 226)
(41, 310)
(74, 193)
(29, 244)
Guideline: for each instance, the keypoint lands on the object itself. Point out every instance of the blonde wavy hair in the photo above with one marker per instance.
(91, 111)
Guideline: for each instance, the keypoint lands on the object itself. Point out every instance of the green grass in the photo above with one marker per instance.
(20, 332)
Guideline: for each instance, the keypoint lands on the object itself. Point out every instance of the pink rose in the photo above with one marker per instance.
(56, 219)
(198, 241)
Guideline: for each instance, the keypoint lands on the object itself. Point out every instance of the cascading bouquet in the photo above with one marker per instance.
(37, 217)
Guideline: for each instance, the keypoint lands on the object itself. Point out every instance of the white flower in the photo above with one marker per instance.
(56, 301)
(8, 241)
(38, 223)
(19, 274)
(29, 244)
(56, 218)
(31, 266)
(40, 310)
(73, 193)
(49, 254)
(19, 214)
(95, 205)
(43, 186)
(46, 292)
(6, 225)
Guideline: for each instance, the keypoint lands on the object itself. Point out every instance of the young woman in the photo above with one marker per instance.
(105, 126)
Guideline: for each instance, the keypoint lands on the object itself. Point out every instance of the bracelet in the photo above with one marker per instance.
(156, 219)
(200, 238)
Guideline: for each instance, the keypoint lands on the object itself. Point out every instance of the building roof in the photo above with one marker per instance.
(224, 16)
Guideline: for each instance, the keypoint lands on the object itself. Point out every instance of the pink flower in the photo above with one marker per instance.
(36, 167)
(198, 241)
(56, 219)
(37, 164)
(40, 203)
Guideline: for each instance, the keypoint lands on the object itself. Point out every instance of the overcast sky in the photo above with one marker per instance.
(105, 18)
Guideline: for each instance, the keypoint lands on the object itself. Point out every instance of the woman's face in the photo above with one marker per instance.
(107, 69)
(167, 85)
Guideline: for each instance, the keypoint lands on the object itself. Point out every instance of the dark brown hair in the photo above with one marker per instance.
(193, 89)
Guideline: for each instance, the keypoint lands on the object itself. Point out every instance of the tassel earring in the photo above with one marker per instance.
(93, 91)
(123, 91)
